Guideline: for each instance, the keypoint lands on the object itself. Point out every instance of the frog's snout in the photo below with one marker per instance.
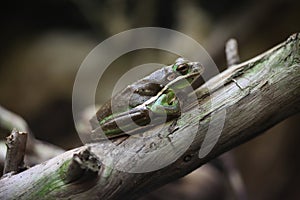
(197, 68)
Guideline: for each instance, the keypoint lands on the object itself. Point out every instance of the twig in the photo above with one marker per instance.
(16, 146)
(232, 54)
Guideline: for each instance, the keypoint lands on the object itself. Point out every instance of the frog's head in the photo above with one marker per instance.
(187, 70)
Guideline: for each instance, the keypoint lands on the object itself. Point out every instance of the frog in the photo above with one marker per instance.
(152, 97)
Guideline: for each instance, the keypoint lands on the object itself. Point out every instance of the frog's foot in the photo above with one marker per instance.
(119, 140)
(173, 127)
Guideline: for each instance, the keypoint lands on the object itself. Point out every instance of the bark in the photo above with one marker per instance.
(16, 146)
(254, 95)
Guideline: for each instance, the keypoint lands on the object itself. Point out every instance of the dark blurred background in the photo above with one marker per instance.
(44, 42)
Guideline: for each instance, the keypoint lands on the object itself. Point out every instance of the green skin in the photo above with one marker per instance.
(153, 95)
(165, 104)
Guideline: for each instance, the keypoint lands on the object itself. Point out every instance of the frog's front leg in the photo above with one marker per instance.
(143, 92)
(166, 104)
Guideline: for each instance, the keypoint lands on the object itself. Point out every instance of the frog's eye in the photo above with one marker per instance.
(183, 69)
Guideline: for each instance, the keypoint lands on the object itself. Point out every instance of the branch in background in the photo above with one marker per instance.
(259, 105)
(207, 182)
(10, 120)
(233, 175)
(16, 146)
(41, 151)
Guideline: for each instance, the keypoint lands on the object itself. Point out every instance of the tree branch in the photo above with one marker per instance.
(269, 92)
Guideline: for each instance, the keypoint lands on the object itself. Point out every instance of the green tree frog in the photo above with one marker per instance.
(152, 97)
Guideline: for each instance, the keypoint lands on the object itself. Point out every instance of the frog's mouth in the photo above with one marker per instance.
(197, 68)
(183, 82)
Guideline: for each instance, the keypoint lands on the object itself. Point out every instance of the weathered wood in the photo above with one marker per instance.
(268, 92)
(16, 146)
